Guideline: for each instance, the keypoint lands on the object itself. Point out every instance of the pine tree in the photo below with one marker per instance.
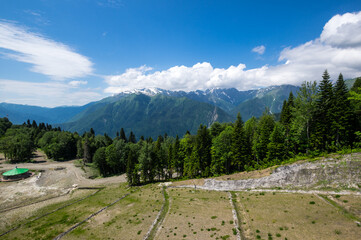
(250, 128)
(177, 162)
(87, 151)
(92, 132)
(342, 113)
(202, 155)
(160, 157)
(131, 138)
(222, 152)
(132, 169)
(122, 135)
(239, 143)
(323, 117)
(356, 87)
(170, 159)
(284, 111)
(264, 130)
(276, 147)
(34, 125)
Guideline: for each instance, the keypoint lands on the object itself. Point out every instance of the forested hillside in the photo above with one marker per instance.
(321, 119)
(230, 101)
(147, 116)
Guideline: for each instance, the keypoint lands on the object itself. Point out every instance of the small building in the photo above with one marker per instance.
(16, 174)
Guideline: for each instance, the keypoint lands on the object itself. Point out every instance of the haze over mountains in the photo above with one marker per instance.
(154, 111)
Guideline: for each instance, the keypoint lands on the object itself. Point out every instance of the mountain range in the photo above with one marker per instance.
(154, 111)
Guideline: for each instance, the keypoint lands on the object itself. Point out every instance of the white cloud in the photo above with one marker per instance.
(338, 49)
(343, 30)
(77, 83)
(48, 57)
(259, 49)
(55, 93)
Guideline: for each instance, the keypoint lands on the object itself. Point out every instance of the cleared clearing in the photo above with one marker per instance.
(53, 224)
(128, 219)
(197, 214)
(296, 216)
(23, 214)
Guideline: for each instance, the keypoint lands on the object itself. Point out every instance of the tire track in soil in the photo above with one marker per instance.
(235, 214)
(91, 216)
(154, 228)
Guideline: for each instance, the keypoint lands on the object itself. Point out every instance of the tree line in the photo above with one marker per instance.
(319, 118)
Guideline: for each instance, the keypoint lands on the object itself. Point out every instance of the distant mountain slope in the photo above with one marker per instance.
(18, 114)
(147, 116)
(271, 98)
(154, 111)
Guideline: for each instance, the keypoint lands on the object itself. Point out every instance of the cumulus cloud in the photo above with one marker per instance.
(55, 93)
(338, 49)
(343, 31)
(46, 56)
(259, 49)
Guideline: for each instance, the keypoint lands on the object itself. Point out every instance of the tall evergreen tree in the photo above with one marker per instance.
(283, 116)
(170, 159)
(276, 147)
(323, 117)
(122, 135)
(239, 145)
(342, 113)
(132, 169)
(202, 147)
(250, 128)
(131, 138)
(222, 152)
(147, 160)
(262, 138)
(177, 159)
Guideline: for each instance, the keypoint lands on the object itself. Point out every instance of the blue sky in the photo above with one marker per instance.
(71, 52)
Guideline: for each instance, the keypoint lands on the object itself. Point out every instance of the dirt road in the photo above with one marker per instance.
(50, 179)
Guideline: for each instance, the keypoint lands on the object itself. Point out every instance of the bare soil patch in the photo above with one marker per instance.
(128, 219)
(296, 216)
(13, 217)
(197, 215)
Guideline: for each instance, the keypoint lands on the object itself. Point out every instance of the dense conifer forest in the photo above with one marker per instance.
(323, 118)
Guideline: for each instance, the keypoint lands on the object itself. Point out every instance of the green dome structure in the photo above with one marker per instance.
(15, 171)
(16, 174)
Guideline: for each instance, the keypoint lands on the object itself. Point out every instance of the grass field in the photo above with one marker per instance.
(192, 214)
(197, 215)
(128, 219)
(295, 216)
